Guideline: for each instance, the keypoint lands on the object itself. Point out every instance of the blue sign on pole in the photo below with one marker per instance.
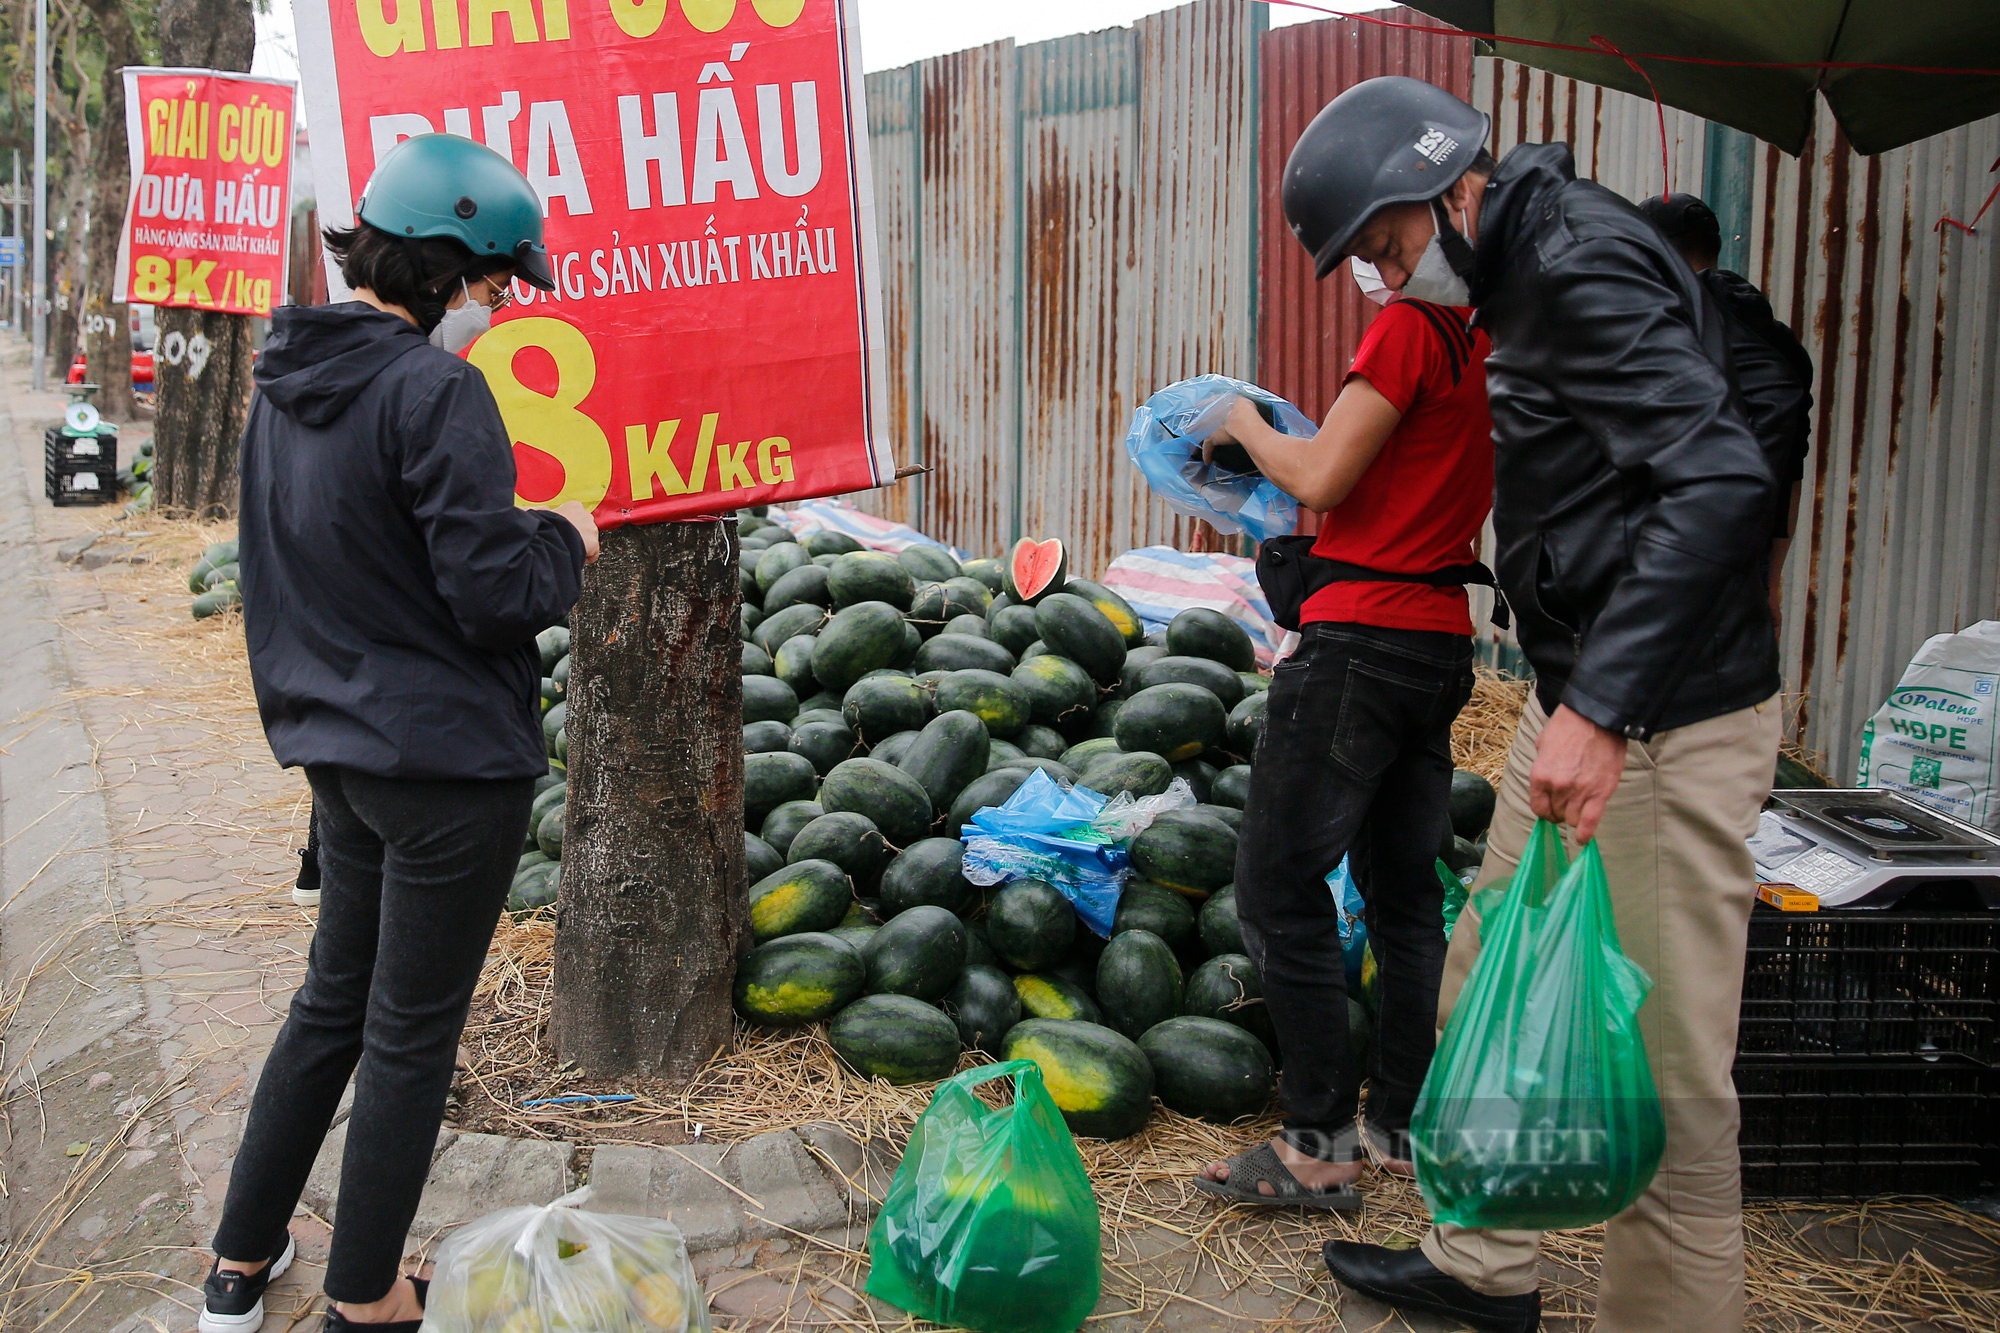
(10, 251)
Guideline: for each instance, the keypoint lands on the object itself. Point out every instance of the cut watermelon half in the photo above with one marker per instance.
(1036, 569)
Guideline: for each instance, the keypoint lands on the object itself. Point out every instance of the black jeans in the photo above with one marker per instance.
(413, 877)
(1356, 758)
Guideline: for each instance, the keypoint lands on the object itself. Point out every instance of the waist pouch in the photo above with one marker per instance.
(1290, 573)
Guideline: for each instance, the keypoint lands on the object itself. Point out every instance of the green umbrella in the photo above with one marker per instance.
(1879, 109)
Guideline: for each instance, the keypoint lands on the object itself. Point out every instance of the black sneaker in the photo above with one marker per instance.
(234, 1302)
(306, 891)
(336, 1322)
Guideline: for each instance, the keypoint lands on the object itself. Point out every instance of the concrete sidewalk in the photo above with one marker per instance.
(146, 937)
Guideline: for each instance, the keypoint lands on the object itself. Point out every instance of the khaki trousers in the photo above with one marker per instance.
(1682, 884)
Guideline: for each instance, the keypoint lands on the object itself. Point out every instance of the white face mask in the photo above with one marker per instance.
(1369, 279)
(1434, 279)
(462, 323)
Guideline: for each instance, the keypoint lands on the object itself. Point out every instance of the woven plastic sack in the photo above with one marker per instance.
(558, 1269)
(1164, 442)
(1539, 1111)
(990, 1223)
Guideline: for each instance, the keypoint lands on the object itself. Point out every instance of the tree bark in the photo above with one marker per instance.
(107, 328)
(653, 912)
(201, 366)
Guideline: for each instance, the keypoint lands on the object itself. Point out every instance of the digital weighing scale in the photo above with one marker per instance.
(1866, 847)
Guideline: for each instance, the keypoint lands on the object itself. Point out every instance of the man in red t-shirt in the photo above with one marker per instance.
(1356, 755)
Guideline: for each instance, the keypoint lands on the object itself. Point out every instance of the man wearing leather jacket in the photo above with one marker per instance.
(1633, 511)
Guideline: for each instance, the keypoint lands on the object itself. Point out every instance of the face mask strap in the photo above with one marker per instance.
(1457, 250)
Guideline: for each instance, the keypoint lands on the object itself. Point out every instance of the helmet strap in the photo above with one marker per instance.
(430, 306)
(1457, 250)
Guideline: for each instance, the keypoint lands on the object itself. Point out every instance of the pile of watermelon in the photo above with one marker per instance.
(213, 580)
(539, 873)
(886, 699)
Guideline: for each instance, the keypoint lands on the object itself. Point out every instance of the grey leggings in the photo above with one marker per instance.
(413, 877)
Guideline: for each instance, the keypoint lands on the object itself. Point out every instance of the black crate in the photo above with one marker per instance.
(72, 474)
(1856, 1129)
(1841, 984)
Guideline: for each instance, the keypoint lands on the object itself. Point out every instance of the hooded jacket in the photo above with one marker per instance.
(1773, 373)
(1633, 505)
(391, 589)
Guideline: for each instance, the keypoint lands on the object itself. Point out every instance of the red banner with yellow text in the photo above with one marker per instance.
(714, 340)
(209, 216)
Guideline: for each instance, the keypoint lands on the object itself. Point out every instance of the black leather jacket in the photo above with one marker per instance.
(1632, 503)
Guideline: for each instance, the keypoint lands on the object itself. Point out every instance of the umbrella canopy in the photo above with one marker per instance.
(1879, 109)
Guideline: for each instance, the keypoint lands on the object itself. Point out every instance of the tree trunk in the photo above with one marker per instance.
(201, 366)
(107, 328)
(653, 913)
(201, 376)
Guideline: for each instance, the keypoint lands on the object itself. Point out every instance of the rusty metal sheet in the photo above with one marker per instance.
(1065, 227)
(968, 258)
(1899, 530)
(1194, 244)
(1079, 135)
(893, 146)
(1615, 136)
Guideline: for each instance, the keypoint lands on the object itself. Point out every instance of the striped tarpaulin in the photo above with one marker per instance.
(877, 534)
(1161, 582)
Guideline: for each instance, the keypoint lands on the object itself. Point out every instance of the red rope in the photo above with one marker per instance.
(1659, 109)
(1637, 55)
(1971, 229)
(1604, 46)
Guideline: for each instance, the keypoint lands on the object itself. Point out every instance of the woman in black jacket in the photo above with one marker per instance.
(392, 592)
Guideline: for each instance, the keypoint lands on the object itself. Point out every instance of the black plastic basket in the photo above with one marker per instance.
(76, 473)
(1857, 1129)
(1842, 984)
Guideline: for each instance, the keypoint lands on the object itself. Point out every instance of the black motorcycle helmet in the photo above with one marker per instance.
(1391, 140)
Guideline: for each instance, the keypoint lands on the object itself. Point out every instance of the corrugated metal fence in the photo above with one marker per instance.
(1064, 228)
(1069, 225)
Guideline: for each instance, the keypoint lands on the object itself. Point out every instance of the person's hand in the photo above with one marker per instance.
(1241, 414)
(585, 525)
(1577, 767)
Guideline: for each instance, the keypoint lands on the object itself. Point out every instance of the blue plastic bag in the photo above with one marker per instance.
(1353, 928)
(1165, 440)
(1044, 831)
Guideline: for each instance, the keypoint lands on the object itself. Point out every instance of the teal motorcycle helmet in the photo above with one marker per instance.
(442, 186)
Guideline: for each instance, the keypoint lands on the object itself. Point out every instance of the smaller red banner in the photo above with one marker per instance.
(209, 216)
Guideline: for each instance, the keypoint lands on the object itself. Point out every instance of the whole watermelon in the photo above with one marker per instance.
(1100, 1081)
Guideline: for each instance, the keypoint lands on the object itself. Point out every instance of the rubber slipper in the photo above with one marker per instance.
(1260, 1164)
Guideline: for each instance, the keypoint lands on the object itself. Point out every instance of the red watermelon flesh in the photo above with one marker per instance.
(1036, 569)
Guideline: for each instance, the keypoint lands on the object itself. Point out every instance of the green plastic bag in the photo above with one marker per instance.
(1539, 1111)
(989, 1223)
(1454, 896)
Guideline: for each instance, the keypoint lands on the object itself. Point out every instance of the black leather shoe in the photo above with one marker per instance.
(1409, 1281)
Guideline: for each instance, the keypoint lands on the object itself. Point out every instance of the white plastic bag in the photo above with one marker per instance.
(1934, 739)
(558, 1269)
(1124, 817)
